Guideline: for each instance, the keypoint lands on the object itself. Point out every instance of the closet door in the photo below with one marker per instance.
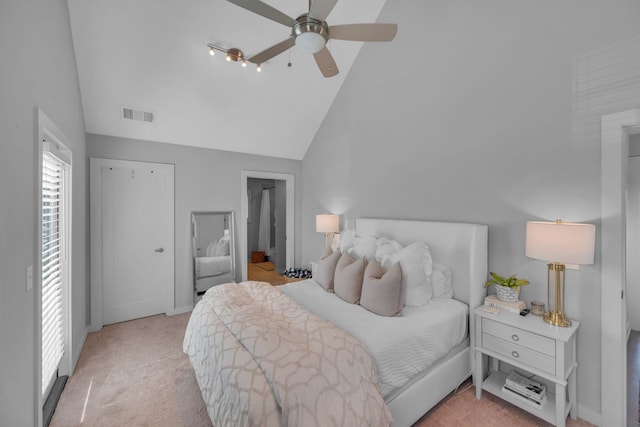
(135, 226)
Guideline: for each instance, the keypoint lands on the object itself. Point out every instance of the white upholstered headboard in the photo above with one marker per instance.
(461, 246)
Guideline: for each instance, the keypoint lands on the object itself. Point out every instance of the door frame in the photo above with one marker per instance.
(613, 178)
(244, 212)
(48, 130)
(95, 195)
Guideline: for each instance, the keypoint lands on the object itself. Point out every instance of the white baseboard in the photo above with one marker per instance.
(589, 415)
(179, 310)
(78, 350)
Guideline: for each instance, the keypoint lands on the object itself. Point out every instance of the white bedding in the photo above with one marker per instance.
(403, 347)
(212, 266)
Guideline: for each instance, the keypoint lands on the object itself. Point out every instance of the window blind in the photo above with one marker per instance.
(53, 264)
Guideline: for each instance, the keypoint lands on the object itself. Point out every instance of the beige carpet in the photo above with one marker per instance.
(135, 374)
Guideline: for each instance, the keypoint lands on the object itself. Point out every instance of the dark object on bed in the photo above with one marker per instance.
(257, 256)
(298, 273)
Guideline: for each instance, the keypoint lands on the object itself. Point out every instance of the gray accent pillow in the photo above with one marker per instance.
(326, 271)
(347, 283)
(383, 291)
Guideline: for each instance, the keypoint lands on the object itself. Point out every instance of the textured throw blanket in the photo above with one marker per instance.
(261, 359)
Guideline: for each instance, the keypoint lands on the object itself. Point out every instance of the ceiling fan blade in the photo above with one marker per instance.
(272, 51)
(325, 62)
(320, 9)
(364, 32)
(263, 9)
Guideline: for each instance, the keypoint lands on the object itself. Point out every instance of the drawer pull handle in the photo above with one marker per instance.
(515, 354)
(515, 337)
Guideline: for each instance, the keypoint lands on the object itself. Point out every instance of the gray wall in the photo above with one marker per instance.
(38, 70)
(634, 145)
(205, 180)
(482, 112)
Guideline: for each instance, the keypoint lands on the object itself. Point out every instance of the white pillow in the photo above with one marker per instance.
(222, 248)
(387, 247)
(347, 240)
(364, 247)
(416, 265)
(211, 249)
(442, 281)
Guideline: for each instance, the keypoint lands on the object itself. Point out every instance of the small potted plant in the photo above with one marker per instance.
(507, 288)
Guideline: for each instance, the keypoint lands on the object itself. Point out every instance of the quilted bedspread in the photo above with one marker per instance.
(262, 360)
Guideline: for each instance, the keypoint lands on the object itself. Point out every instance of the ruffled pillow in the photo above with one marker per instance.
(347, 283)
(364, 247)
(416, 265)
(347, 240)
(386, 247)
(382, 291)
(326, 271)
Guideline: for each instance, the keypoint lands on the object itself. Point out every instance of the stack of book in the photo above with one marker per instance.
(525, 390)
(513, 307)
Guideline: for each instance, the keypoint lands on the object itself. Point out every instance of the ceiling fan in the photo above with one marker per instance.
(310, 32)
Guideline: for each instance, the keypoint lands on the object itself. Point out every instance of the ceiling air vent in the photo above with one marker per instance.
(139, 115)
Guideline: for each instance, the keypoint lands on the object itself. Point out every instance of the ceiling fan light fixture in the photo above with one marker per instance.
(212, 51)
(310, 34)
(310, 42)
(259, 68)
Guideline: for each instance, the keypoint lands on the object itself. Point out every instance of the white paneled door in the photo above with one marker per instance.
(135, 223)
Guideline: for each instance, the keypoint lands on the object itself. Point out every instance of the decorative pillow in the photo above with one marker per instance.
(442, 281)
(382, 291)
(387, 247)
(211, 249)
(416, 264)
(347, 240)
(364, 247)
(347, 282)
(326, 271)
(222, 248)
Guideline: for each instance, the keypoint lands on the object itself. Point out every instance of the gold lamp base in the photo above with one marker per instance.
(556, 318)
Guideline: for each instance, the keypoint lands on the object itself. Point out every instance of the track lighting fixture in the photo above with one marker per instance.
(232, 54)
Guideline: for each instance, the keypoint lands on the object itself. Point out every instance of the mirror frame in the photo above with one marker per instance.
(232, 243)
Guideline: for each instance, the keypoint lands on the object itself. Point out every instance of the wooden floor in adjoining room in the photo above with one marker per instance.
(265, 272)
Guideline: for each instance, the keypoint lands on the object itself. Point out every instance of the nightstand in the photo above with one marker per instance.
(533, 347)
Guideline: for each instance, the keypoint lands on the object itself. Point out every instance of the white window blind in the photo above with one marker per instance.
(53, 266)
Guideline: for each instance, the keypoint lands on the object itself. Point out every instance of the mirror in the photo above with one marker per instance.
(213, 248)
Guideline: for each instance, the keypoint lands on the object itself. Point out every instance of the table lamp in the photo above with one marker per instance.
(561, 244)
(327, 224)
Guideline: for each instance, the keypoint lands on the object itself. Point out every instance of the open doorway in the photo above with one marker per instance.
(268, 198)
(614, 185)
(266, 229)
(633, 276)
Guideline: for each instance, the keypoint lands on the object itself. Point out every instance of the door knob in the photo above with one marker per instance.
(160, 250)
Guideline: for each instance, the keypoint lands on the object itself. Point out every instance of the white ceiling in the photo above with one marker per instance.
(153, 55)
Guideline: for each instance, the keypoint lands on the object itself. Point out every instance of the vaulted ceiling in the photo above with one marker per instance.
(152, 55)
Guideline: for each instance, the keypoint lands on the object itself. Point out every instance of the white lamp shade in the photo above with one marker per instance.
(564, 242)
(327, 223)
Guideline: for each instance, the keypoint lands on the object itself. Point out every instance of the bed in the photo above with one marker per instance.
(216, 266)
(211, 271)
(230, 377)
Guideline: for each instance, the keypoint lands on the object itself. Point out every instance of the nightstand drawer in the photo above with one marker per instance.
(522, 338)
(519, 353)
